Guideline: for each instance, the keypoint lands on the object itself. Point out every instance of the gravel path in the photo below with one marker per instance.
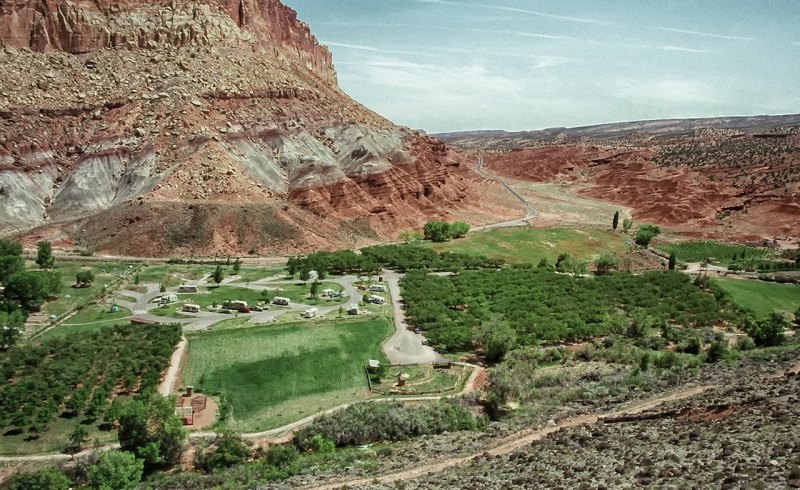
(515, 442)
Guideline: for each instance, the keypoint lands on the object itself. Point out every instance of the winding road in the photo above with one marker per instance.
(530, 211)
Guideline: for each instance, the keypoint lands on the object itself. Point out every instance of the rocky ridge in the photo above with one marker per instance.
(115, 114)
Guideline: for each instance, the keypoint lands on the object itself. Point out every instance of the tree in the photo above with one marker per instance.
(645, 235)
(150, 429)
(217, 275)
(615, 221)
(292, 266)
(116, 470)
(767, 332)
(84, 277)
(627, 224)
(44, 255)
(229, 450)
(237, 265)
(717, 351)
(47, 479)
(27, 290)
(458, 229)
(77, 438)
(410, 236)
(604, 264)
(672, 261)
(10, 265)
(10, 248)
(436, 231)
(543, 264)
(314, 289)
(305, 274)
(136, 279)
(496, 338)
(11, 326)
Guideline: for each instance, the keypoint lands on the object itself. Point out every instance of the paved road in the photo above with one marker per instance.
(404, 346)
(530, 211)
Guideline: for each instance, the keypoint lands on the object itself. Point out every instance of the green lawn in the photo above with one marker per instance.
(68, 271)
(762, 297)
(221, 294)
(521, 245)
(251, 274)
(299, 293)
(276, 374)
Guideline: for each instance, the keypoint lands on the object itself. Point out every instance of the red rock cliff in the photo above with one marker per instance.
(83, 26)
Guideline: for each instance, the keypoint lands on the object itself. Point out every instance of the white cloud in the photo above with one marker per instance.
(675, 91)
(516, 10)
(705, 34)
(371, 49)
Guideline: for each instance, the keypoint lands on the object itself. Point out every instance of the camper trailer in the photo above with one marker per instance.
(188, 289)
(353, 310)
(378, 288)
(310, 313)
(191, 308)
(277, 300)
(377, 300)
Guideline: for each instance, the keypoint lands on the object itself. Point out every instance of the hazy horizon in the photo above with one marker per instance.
(462, 65)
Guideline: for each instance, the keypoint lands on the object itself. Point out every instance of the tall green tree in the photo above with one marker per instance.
(44, 255)
(615, 221)
(116, 470)
(229, 450)
(84, 276)
(26, 290)
(150, 429)
(10, 265)
(436, 231)
(459, 229)
(217, 275)
(496, 337)
(314, 289)
(237, 265)
(11, 326)
(672, 261)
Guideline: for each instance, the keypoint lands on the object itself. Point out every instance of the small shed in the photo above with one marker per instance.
(402, 377)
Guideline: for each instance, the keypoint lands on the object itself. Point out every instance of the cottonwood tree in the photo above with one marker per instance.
(604, 264)
(150, 429)
(672, 261)
(458, 229)
(615, 221)
(116, 470)
(44, 255)
(436, 231)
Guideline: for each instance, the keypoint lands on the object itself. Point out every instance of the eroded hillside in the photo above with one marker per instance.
(163, 127)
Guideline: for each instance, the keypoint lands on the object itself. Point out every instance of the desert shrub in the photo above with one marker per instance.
(365, 423)
(46, 479)
(228, 450)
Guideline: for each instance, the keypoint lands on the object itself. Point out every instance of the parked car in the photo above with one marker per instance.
(256, 308)
(416, 330)
(243, 309)
(425, 342)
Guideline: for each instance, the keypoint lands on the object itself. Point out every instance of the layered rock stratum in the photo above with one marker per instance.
(152, 127)
(714, 177)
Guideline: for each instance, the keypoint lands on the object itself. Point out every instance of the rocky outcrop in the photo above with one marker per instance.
(86, 26)
(121, 109)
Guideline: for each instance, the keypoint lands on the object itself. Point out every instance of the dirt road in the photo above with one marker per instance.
(165, 389)
(530, 211)
(515, 442)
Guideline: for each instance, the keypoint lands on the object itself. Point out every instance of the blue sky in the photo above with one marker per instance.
(448, 65)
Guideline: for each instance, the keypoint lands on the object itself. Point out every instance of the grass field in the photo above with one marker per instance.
(276, 374)
(425, 380)
(521, 245)
(720, 253)
(250, 274)
(762, 297)
(68, 271)
(173, 275)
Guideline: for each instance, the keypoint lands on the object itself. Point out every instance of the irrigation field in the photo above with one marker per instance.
(276, 374)
(722, 253)
(762, 297)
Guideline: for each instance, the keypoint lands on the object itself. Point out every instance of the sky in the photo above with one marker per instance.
(453, 65)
